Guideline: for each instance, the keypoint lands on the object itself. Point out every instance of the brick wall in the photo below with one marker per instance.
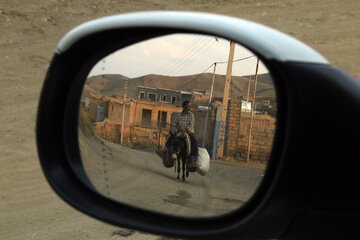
(237, 134)
(108, 130)
(111, 131)
(233, 125)
(148, 136)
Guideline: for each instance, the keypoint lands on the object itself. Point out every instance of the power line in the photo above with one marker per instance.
(190, 54)
(196, 56)
(179, 53)
(189, 58)
(177, 58)
(237, 60)
(183, 55)
(197, 76)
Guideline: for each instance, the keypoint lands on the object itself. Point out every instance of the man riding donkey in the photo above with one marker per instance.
(182, 127)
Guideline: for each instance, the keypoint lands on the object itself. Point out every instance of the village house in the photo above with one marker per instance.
(144, 120)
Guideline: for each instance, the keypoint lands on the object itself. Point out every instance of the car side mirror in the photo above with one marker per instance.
(84, 112)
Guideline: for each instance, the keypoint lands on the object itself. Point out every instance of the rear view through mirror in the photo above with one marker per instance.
(137, 138)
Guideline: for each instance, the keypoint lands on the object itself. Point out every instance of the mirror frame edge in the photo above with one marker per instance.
(234, 220)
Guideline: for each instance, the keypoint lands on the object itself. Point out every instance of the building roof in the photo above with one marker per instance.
(130, 101)
(165, 89)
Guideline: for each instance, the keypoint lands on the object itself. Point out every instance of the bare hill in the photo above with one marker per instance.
(113, 84)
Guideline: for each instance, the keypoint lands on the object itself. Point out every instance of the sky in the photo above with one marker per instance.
(177, 55)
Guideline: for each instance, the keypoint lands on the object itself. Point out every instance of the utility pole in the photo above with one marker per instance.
(248, 93)
(252, 111)
(123, 113)
(159, 123)
(207, 113)
(222, 128)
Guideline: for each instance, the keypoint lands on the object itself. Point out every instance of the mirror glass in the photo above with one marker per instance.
(135, 135)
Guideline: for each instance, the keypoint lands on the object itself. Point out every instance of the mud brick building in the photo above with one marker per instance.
(145, 121)
(237, 134)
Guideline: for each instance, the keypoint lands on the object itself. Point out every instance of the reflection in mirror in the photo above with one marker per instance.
(132, 125)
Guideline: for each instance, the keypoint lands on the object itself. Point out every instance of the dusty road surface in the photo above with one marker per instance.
(30, 31)
(138, 178)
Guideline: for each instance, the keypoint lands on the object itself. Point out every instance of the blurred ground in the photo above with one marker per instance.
(30, 32)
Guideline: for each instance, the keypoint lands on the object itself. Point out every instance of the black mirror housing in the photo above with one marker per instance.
(309, 185)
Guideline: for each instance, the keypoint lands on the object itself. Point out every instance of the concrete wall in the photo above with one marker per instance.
(169, 93)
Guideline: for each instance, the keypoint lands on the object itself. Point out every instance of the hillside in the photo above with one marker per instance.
(113, 84)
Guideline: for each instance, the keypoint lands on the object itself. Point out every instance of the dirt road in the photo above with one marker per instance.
(30, 31)
(139, 178)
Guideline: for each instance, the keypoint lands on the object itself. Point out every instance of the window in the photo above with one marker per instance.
(162, 119)
(142, 95)
(146, 117)
(173, 99)
(163, 98)
(152, 96)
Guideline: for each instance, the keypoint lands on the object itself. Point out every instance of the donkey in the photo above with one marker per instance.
(178, 153)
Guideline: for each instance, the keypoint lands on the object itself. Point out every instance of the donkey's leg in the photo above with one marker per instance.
(187, 168)
(174, 158)
(183, 168)
(178, 168)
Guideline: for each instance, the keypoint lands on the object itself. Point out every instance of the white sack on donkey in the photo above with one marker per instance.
(203, 163)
